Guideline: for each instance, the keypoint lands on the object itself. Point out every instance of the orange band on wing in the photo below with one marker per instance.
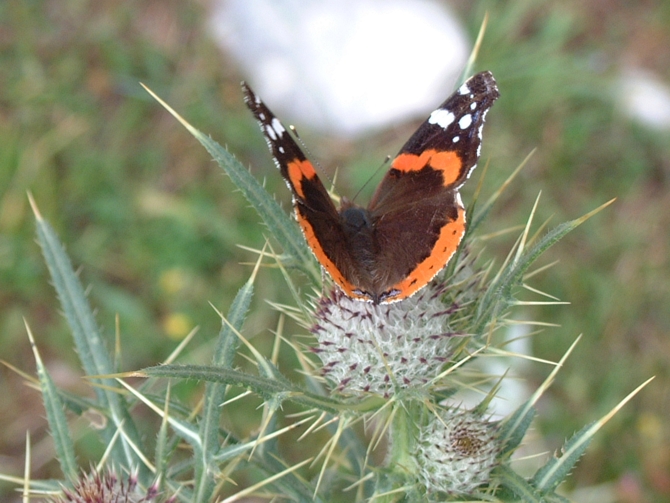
(450, 165)
(447, 162)
(450, 237)
(297, 171)
(327, 264)
(412, 162)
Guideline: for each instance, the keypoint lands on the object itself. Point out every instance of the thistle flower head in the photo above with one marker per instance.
(388, 347)
(107, 487)
(456, 452)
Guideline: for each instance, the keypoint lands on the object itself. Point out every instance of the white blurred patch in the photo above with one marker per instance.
(514, 389)
(344, 66)
(645, 98)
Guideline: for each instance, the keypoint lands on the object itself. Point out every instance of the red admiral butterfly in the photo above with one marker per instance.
(415, 220)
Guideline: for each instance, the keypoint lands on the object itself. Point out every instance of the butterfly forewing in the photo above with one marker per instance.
(314, 209)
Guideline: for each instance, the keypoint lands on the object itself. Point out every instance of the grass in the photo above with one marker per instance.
(153, 223)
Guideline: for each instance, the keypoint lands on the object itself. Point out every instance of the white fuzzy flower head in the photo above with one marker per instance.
(106, 487)
(456, 452)
(384, 348)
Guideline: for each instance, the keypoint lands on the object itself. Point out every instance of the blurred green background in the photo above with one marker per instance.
(154, 223)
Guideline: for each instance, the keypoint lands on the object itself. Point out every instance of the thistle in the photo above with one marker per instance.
(385, 348)
(456, 451)
(107, 487)
(396, 368)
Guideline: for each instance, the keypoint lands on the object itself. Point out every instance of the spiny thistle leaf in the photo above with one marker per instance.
(281, 477)
(215, 393)
(261, 385)
(547, 478)
(94, 357)
(227, 342)
(480, 214)
(60, 433)
(499, 295)
(512, 482)
(280, 225)
(164, 448)
(184, 429)
(514, 428)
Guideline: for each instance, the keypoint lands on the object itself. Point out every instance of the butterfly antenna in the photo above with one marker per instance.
(388, 158)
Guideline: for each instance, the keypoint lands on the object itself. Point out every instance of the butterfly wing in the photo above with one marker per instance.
(319, 219)
(417, 212)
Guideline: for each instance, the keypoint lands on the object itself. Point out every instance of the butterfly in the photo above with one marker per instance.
(415, 220)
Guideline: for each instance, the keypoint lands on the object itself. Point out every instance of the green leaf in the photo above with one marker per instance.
(215, 392)
(228, 341)
(517, 485)
(163, 447)
(499, 295)
(291, 485)
(261, 385)
(480, 214)
(280, 225)
(556, 470)
(60, 433)
(513, 428)
(94, 357)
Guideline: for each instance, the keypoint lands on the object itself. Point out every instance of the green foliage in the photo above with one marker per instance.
(90, 347)
(215, 451)
(55, 411)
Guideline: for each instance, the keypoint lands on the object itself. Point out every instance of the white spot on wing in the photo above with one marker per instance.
(465, 121)
(276, 125)
(270, 132)
(455, 139)
(281, 149)
(441, 117)
(473, 105)
(464, 89)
